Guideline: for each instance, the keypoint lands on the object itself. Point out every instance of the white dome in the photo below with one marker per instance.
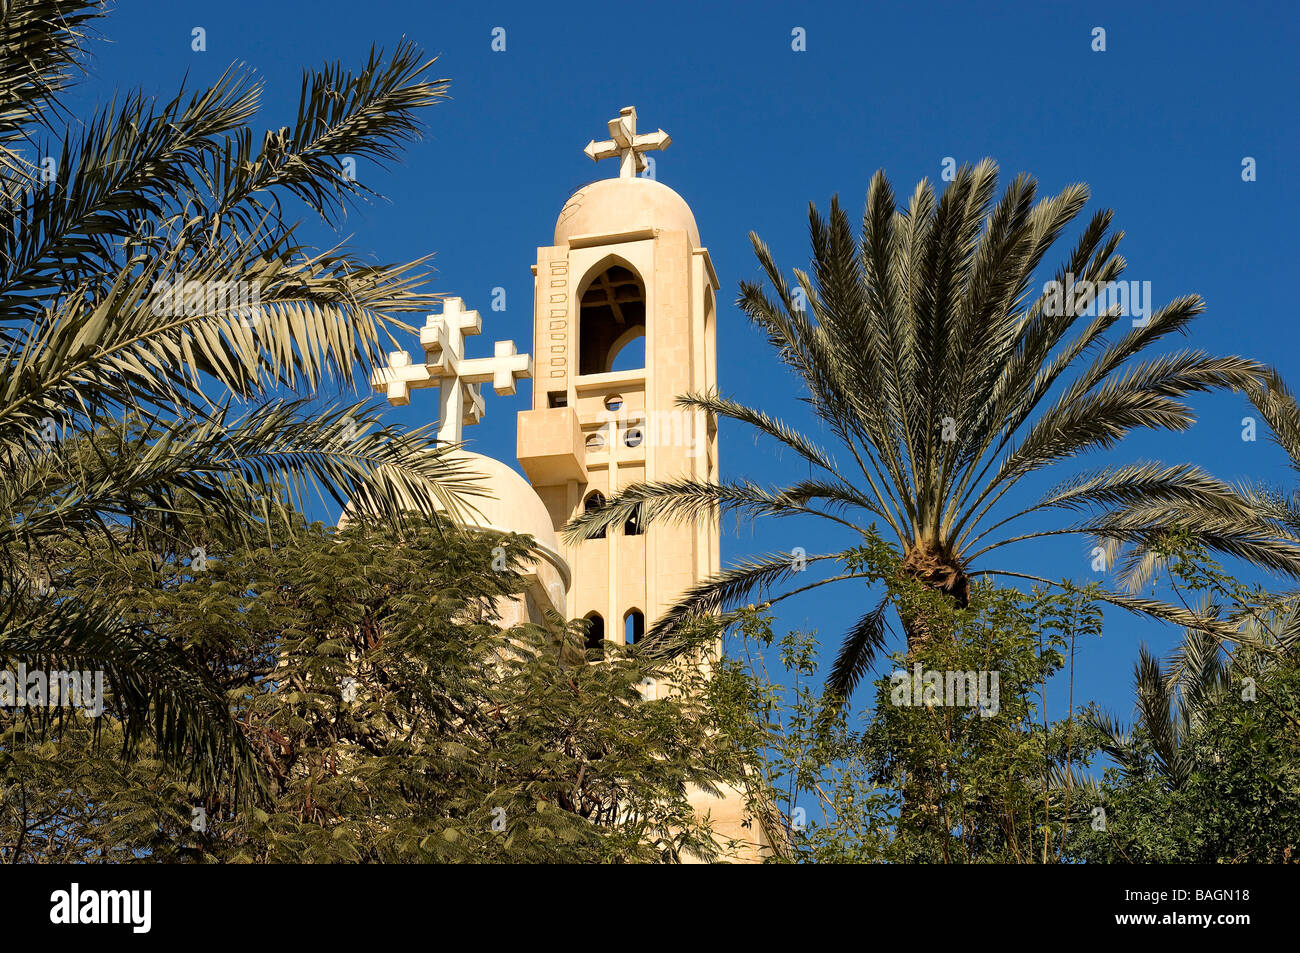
(509, 505)
(622, 205)
(512, 506)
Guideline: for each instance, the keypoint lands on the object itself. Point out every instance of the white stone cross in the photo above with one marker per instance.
(459, 379)
(624, 142)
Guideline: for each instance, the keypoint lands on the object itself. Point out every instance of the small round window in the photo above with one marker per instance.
(614, 402)
(633, 437)
(596, 441)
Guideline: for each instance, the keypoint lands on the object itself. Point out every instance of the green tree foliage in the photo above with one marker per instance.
(124, 404)
(923, 780)
(1238, 802)
(389, 715)
(1209, 772)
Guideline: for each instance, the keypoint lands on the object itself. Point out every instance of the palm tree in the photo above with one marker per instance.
(946, 378)
(1170, 707)
(1273, 511)
(126, 409)
(1173, 702)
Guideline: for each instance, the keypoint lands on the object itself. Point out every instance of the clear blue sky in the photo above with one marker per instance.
(1158, 125)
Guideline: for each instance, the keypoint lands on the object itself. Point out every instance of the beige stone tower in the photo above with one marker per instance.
(624, 322)
(625, 276)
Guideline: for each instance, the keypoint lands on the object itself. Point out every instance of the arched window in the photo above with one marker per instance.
(611, 321)
(594, 501)
(633, 526)
(633, 627)
(595, 633)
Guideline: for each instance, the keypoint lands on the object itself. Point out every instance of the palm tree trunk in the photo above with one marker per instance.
(938, 573)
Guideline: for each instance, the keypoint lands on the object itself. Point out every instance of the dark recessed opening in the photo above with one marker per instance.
(594, 502)
(611, 316)
(633, 627)
(632, 525)
(595, 641)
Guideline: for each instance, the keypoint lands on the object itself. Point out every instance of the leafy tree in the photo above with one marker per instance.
(390, 715)
(946, 377)
(1229, 792)
(158, 311)
(924, 780)
(1210, 770)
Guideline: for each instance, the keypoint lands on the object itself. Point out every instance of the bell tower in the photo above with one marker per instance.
(624, 322)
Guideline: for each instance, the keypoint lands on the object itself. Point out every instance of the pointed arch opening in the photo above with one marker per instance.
(611, 319)
(595, 641)
(633, 626)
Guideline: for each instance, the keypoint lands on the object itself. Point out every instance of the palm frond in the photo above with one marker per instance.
(858, 652)
(1277, 405)
(152, 686)
(729, 589)
(690, 501)
(41, 42)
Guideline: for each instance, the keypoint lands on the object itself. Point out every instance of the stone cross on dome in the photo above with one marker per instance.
(459, 379)
(624, 142)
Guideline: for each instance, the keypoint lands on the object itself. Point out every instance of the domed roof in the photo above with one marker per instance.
(622, 205)
(510, 505)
